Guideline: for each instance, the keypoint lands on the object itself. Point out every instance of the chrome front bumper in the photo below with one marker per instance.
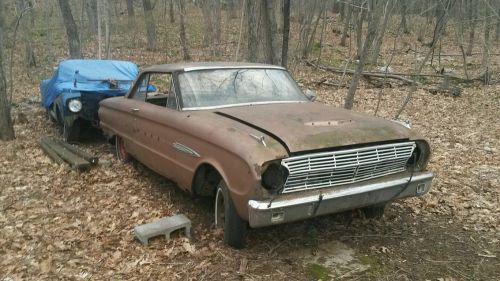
(303, 205)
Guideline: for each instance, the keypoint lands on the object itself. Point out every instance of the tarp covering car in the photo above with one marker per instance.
(110, 77)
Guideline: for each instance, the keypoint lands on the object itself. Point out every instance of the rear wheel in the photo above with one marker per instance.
(71, 133)
(235, 228)
(121, 151)
(374, 212)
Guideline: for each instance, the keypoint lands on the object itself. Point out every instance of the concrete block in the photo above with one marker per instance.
(163, 226)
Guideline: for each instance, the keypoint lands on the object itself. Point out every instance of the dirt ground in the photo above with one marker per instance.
(60, 224)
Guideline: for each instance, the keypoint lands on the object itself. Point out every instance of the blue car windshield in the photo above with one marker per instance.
(215, 88)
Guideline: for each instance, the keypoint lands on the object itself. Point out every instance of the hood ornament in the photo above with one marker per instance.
(259, 139)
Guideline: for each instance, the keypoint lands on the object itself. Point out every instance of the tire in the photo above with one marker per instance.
(235, 228)
(49, 116)
(71, 133)
(374, 212)
(121, 151)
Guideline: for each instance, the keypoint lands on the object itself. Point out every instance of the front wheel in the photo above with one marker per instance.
(71, 133)
(235, 228)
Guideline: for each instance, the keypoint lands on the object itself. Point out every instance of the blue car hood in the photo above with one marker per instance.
(89, 76)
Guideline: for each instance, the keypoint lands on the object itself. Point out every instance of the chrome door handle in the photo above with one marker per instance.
(134, 109)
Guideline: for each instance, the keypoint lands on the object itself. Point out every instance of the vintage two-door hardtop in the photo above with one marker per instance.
(246, 134)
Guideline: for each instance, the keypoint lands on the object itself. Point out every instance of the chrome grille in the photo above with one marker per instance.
(326, 169)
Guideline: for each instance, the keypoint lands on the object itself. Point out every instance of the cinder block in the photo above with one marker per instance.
(163, 226)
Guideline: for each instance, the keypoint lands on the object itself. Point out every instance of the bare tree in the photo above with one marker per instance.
(6, 125)
(347, 21)
(131, 13)
(150, 24)
(91, 9)
(472, 14)
(171, 10)
(107, 27)
(375, 53)
(486, 42)
(182, 30)
(404, 12)
(286, 33)
(211, 12)
(263, 41)
(71, 30)
(374, 11)
(26, 26)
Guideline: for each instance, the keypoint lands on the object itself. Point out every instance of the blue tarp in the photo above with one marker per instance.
(89, 76)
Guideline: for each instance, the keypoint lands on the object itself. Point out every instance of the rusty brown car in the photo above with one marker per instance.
(246, 135)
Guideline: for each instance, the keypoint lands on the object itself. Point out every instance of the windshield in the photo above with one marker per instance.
(203, 89)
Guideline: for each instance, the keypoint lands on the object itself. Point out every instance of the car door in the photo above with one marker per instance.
(127, 125)
(152, 125)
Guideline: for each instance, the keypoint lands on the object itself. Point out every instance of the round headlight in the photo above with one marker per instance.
(75, 105)
(274, 177)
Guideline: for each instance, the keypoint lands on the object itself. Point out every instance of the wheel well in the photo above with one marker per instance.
(206, 180)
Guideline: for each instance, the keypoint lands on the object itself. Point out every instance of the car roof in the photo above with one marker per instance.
(191, 66)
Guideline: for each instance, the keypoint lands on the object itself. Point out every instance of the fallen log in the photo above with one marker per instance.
(368, 74)
(74, 161)
(398, 75)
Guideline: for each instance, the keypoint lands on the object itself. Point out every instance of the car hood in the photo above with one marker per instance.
(311, 126)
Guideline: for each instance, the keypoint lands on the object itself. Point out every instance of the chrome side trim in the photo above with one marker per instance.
(194, 68)
(237, 104)
(185, 149)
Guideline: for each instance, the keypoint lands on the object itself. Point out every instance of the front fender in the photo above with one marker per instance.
(65, 114)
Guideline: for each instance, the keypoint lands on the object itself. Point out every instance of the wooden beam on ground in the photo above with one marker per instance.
(80, 152)
(51, 153)
(75, 162)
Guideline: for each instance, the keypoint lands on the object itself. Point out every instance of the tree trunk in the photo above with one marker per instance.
(6, 126)
(131, 13)
(252, 35)
(347, 21)
(150, 25)
(171, 11)
(373, 22)
(380, 33)
(26, 25)
(286, 33)
(91, 8)
(99, 29)
(497, 33)
(472, 12)
(486, 43)
(71, 30)
(270, 30)
(404, 11)
(361, 14)
(107, 27)
(182, 30)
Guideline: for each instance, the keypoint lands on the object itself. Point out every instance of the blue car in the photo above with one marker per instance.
(71, 97)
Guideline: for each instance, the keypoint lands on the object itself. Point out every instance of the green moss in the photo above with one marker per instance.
(318, 272)
(375, 268)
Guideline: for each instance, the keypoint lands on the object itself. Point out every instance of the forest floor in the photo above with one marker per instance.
(61, 224)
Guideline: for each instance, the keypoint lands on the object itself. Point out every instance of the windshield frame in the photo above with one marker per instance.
(196, 108)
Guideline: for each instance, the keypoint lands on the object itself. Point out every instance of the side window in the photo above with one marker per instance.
(160, 90)
(171, 100)
(141, 90)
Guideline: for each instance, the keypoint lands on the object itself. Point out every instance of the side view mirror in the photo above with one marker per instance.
(310, 94)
